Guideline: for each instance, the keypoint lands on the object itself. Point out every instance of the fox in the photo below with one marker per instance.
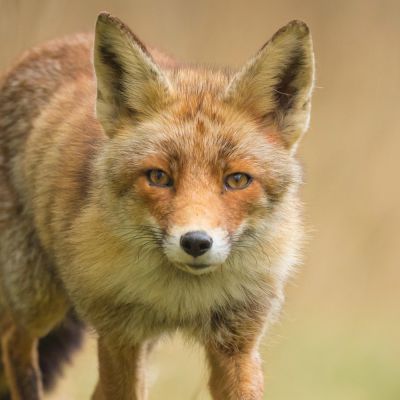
(141, 196)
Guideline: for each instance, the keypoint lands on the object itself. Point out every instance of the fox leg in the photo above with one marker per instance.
(122, 372)
(4, 387)
(232, 351)
(20, 359)
(235, 375)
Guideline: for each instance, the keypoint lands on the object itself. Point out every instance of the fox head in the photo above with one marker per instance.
(199, 163)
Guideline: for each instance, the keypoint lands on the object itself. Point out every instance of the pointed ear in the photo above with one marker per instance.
(129, 83)
(276, 85)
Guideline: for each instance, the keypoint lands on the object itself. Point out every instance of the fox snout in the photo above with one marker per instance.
(197, 249)
(196, 243)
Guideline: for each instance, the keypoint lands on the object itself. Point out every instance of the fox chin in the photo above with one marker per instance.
(140, 196)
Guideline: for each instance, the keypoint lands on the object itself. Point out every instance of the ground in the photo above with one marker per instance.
(305, 359)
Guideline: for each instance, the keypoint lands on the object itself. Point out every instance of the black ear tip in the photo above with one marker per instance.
(299, 26)
(104, 16)
(104, 19)
(295, 28)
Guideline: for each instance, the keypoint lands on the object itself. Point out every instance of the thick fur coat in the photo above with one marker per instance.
(84, 229)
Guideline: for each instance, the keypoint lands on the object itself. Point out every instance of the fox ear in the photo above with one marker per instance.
(276, 85)
(129, 83)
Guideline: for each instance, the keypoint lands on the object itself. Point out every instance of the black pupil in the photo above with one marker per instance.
(237, 177)
(159, 175)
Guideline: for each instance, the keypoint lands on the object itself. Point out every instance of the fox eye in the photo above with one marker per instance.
(157, 177)
(237, 181)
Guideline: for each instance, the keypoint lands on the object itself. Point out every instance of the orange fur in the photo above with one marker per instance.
(83, 229)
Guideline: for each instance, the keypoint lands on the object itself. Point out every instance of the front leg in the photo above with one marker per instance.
(232, 351)
(235, 375)
(20, 359)
(122, 371)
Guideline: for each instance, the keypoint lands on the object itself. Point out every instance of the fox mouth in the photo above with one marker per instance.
(196, 269)
(198, 266)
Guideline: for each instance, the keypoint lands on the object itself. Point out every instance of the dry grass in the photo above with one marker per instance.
(305, 360)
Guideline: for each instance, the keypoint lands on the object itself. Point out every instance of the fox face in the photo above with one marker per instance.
(199, 161)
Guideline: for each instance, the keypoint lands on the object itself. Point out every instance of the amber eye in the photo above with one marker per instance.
(157, 177)
(237, 181)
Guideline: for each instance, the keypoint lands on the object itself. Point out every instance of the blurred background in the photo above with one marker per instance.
(339, 336)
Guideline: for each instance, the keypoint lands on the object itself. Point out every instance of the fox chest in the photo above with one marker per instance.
(137, 322)
(209, 307)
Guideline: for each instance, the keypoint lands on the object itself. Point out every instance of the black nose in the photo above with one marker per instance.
(196, 243)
